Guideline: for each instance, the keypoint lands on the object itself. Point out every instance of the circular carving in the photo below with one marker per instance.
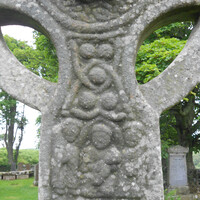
(93, 16)
(87, 100)
(71, 129)
(101, 125)
(91, 11)
(109, 100)
(132, 133)
(131, 138)
(97, 75)
(88, 83)
(101, 136)
(105, 51)
(87, 51)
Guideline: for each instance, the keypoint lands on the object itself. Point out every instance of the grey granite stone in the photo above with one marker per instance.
(100, 130)
(178, 169)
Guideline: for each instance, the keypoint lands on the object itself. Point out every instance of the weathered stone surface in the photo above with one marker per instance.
(20, 167)
(178, 169)
(100, 129)
(22, 176)
(8, 177)
(36, 174)
(23, 167)
(16, 175)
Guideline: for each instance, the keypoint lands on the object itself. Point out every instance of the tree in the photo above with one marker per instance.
(13, 123)
(48, 60)
(48, 63)
(12, 120)
(42, 61)
(156, 53)
(180, 124)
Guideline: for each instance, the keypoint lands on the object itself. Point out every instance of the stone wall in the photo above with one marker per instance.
(16, 175)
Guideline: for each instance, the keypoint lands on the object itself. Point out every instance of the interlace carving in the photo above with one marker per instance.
(98, 105)
(100, 130)
(92, 11)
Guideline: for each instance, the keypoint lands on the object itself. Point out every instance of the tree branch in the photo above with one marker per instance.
(195, 127)
(178, 79)
(21, 83)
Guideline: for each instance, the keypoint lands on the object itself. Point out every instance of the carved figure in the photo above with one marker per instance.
(100, 129)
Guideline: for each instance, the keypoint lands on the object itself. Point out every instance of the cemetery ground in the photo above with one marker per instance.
(18, 190)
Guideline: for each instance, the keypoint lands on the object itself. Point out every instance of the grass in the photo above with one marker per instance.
(18, 190)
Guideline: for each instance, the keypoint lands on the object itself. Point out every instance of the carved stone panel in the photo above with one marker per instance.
(100, 142)
(100, 130)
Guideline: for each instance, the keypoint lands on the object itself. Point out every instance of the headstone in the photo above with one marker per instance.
(28, 167)
(36, 174)
(100, 129)
(22, 176)
(9, 177)
(20, 167)
(178, 168)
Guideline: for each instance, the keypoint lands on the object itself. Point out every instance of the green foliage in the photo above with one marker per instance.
(155, 57)
(47, 58)
(164, 149)
(196, 160)
(171, 195)
(29, 156)
(6, 105)
(26, 156)
(18, 190)
(41, 60)
(179, 30)
(3, 157)
(38, 124)
(5, 168)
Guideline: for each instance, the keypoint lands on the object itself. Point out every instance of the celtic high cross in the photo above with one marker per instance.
(100, 129)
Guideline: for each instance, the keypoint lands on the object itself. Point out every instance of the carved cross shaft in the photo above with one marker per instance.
(100, 129)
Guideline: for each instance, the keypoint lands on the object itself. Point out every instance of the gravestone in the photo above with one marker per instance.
(22, 176)
(9, 176)
(36, 174)
(100, 129)
(28, 167)
(26, 176)
(20, 167)
(178, 169)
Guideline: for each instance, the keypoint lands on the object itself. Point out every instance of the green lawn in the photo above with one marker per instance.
(18, 190)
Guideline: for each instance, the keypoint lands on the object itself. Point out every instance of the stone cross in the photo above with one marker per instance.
(100, 129)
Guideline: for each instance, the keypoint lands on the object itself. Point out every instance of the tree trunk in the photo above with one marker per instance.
(21, 125)
(184, 114)
(10, 137)
(189, 160)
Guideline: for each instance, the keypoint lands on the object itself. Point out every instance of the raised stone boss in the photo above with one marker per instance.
(100, 129)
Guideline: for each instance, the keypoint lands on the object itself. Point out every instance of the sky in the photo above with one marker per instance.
(25, 34)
